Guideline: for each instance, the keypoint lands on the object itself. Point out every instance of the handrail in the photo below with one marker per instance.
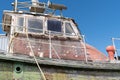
(117, 48)
(18, 6)
(85, 50)
(39, 7)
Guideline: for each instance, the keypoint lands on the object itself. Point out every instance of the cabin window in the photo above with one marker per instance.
(35, 25)
(54, 25)
(69, 29)
(20, 23)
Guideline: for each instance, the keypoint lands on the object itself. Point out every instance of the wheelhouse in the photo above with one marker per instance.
(35, 30)
(40, 25)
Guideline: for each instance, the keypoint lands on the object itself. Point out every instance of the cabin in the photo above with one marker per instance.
(46, 35)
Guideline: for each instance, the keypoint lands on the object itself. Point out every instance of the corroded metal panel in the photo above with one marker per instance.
(65, 49)
(59, 48)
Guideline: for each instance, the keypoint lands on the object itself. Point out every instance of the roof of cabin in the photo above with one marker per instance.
(94, 54)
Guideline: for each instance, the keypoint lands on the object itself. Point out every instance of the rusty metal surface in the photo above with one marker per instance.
(65, 49)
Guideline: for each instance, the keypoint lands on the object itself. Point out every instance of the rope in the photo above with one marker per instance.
(11, 40)
(34, 56)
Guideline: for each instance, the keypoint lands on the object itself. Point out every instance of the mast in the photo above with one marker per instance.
(15, 5)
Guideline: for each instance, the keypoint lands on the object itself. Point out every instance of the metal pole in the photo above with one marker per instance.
(85, 49)
(50, 45)
(15, 6)
(116, 55)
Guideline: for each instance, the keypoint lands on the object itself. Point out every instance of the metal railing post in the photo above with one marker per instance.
(116, 54)
(50, 45)
(15, 5)
(85, 50)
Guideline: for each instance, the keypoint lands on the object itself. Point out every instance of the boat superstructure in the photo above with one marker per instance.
(47, 34)
(42, 45)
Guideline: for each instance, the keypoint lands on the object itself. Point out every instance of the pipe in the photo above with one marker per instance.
(111, 52)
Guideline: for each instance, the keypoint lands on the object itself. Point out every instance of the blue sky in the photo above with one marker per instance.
(98, 20)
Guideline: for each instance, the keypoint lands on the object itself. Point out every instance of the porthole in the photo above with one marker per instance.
(18, 69)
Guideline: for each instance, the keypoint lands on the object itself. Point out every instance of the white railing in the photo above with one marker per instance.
(116, 44)
(25, 6)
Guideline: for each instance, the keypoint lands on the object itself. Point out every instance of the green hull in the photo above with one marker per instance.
(15, 68)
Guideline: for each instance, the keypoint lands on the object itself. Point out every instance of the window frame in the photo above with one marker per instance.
(37, 18)
(17, 26)
(72, 26)
(55, 32)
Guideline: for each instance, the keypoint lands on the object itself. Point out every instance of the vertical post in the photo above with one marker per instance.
(50, 45)
(15, 6)
(61, 13)
(116, 55)
(85, 49)
(35, 2)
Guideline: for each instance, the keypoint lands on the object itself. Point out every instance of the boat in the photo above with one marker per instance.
(40, 44)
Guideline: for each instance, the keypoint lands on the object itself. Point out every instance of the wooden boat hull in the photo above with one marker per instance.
(16, 68)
